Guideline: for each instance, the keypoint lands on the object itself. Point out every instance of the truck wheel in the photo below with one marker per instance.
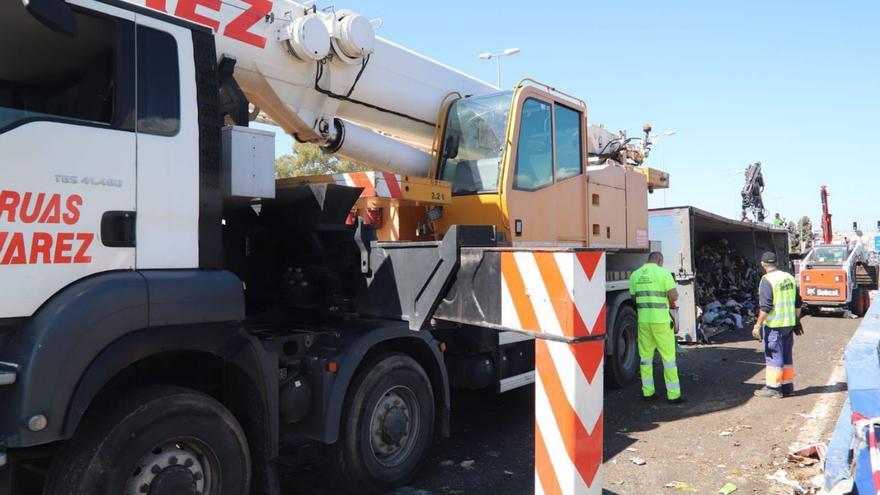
(622, 367)
(159, 440)
(387, 425)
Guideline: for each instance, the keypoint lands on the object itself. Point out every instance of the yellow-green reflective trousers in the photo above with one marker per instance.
(658, 337)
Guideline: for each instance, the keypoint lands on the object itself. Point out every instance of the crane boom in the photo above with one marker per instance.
(324, 77)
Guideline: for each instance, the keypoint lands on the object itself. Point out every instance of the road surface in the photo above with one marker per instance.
(722, 434)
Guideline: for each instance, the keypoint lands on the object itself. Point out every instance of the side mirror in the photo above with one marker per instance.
(450, 149)
(54, 14)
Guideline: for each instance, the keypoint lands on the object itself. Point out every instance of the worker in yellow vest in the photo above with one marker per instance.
(654, 290)
(777, 325)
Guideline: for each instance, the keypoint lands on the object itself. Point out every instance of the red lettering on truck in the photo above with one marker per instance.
(157, 4)
(31, 216)
(85, 239)
(40, 247)
(52, 213)
(15, 251)
(239, 28)
(63, 246)
(74, 202)
(9, 204)
(43, 248)
(187, 10)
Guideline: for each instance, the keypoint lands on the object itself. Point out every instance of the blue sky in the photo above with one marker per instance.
(793, 84)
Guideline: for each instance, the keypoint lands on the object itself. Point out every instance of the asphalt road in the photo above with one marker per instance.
(686, 444)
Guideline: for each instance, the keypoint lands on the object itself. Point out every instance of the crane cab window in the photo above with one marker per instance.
(549, 147)
(474, 143)
(158, 89)
(534, 156)
(45, 75)
(567, 136)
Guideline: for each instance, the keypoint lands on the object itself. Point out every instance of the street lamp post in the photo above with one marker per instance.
(497, 56)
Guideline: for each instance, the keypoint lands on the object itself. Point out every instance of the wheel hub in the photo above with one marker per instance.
(169, 469)
(175, 480)
(392, 426)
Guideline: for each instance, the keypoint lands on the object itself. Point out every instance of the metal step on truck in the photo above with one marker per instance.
(170, 311)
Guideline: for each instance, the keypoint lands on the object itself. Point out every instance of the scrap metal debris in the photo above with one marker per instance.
(727, 284)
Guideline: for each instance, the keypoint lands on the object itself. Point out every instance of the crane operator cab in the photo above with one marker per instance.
(521, 160)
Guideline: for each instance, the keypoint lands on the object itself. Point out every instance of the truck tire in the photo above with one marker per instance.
(158, 440)
(387, 426)
(622, 367)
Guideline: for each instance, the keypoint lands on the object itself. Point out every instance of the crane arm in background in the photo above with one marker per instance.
(827, 232)
(752, 200)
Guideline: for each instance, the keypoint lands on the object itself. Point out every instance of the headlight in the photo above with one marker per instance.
(838, 278)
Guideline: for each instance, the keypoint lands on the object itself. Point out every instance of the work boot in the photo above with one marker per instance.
(679, 400)
(649, 398)
(768, 392)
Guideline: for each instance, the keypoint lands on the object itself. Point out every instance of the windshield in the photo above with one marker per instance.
(829, 255)
(474, 143)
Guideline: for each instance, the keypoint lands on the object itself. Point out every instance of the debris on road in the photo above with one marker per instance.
(727, 489)
(638, 461)
(680, 486)
(726, 433)
(447, 463)
(781, 477)
(806, 455)
(631, 449)
(468, 464)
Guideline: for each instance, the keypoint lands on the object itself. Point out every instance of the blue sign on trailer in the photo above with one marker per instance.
(877, 243)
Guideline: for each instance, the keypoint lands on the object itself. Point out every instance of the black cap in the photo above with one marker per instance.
(769, 258)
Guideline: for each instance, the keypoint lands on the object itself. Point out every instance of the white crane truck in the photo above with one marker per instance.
(167, 312)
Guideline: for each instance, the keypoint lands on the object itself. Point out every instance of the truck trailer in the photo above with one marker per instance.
(170, 310)
(681, 231)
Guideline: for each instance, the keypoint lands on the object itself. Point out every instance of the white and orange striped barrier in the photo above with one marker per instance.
(374, 184)
(560, 296)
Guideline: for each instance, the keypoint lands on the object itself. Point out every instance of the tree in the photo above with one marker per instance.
(806, 230)
(794, 238)
(309, 159)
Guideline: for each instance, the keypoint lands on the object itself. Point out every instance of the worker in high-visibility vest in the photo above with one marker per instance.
(654, 290)
(777, 325)
(778, 221)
